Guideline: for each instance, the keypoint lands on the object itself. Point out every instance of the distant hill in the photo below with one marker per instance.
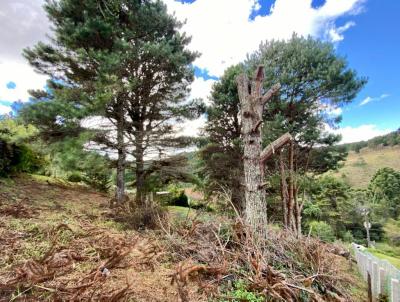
(360, 167)
(390, 139)
(366, 157)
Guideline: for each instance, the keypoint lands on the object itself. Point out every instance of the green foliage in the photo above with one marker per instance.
(74, 177)
(329, 200)
(309, 71)
(13, 131)
(348, 237)
(241, 293)
(176, 196)
(69, 159)
(125, 61)
(322, 230)
(96, 172)
(384, 192)
(392, 232)
(16, 155)
(221, 151)
(313, 78)
(15, 158)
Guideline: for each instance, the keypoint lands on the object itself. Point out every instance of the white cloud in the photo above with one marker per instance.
(360, 133)
(336, 33)
(4, 109)
(369, 99)
(23, 76)
(222, 31)
(365, 101)
(193, 127)
(201, 88)
(22, 23)
(336, 111)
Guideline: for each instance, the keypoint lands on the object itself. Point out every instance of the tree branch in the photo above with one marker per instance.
(274, 146)
(270, 93)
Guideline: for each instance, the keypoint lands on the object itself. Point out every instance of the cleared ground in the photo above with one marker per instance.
(57, 235)
(61, 242)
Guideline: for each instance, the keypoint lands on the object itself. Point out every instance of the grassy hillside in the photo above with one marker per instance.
(62, 242)
(360, 167)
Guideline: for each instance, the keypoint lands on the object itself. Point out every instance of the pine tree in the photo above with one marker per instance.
(121, 60)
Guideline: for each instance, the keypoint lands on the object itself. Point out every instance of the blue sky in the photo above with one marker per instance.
(372, 47)
(224, 31)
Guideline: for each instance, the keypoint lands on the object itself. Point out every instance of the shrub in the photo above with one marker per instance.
(74, 177)
(348, 237)
(98, 179)
(177, 196)
(18, 158)
(322, 230)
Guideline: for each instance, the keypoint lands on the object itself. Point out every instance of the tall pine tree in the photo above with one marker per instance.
(123, 60)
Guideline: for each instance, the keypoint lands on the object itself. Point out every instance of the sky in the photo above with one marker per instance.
(224, 31)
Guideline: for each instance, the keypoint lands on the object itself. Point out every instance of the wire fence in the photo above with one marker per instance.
(384, 276)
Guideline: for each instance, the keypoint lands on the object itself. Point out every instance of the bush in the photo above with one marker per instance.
(348, 237)
(18, 158)
(96, 172)
(98, 179)
(322, 230)
(74, 177)
(177, 197)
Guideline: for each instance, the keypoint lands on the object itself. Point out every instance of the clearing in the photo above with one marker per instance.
(61, 242)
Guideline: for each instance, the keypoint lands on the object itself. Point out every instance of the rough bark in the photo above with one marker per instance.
(275, 146)
(120, 190)
(140, 181)
(252, 104)
(284, 191)
(291, 209)
(267, 153)
(139, 169)
(238, 197)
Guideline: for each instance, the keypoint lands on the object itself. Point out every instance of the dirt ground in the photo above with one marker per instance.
(57, 243)
(62, 242)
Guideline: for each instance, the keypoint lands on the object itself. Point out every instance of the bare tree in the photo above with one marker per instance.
(252, 102)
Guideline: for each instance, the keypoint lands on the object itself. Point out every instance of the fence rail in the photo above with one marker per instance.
(384, 276)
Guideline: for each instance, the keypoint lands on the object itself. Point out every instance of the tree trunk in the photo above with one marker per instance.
(252, 105)
(284, 191)
(291, 208)
(120, 191)
(140, 181)
(238, 196)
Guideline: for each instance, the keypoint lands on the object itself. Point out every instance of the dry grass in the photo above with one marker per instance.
(61, 243)
(288, 269)
(360, 167)
(57, 240)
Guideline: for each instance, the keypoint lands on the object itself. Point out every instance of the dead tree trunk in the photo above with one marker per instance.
(252, 104)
